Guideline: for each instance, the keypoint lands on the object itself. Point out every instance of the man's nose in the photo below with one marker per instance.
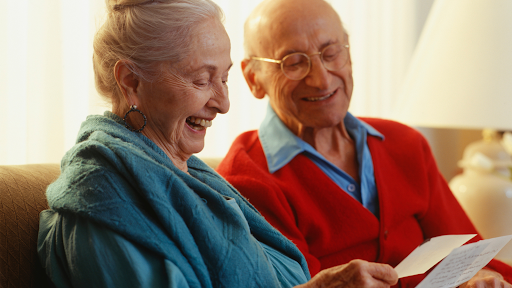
(318, 75)
(219, 100)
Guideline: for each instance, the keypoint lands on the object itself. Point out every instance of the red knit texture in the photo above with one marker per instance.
(332, 228)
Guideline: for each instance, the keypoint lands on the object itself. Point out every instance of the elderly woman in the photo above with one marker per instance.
(133, 207)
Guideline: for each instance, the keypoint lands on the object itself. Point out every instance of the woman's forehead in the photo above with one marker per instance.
(209, 49)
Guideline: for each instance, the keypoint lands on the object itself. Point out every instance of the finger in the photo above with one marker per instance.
(487, 282)
(383, 272)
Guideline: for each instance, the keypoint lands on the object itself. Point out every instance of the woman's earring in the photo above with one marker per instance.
(132, 109)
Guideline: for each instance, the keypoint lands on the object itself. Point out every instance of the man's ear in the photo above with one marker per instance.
(127, 81)
(252, 79)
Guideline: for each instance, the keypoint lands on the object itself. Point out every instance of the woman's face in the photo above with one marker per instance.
(184, 101)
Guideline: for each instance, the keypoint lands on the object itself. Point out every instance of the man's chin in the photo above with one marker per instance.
(324, 119)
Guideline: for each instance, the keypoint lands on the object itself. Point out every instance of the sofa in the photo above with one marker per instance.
(22, 198)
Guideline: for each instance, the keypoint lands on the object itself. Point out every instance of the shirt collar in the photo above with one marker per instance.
(280, 145)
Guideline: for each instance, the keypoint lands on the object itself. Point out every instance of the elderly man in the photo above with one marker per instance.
(339, 187)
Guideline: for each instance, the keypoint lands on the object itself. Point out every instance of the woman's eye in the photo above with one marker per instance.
(201, 83)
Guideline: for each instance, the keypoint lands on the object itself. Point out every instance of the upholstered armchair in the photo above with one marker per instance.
(22, 198)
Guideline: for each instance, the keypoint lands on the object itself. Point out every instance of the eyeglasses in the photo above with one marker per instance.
(296, 66)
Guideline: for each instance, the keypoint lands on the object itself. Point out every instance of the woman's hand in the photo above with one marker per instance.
(486, 279)
(357, 273)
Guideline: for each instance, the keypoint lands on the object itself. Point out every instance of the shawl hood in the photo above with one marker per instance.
(122, 180)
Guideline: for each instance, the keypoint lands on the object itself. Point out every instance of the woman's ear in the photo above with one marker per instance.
(127, 81)
(252, 78)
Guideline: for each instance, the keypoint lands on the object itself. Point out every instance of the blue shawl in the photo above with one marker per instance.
(123, 181)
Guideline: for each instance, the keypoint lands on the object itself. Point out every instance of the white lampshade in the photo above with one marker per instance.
(461, 72)
(461, 77)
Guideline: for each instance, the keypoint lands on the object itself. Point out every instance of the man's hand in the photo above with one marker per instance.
(357, 273)
(486, 279)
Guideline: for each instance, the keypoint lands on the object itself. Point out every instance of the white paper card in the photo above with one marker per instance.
(463, 263)
(430, 253)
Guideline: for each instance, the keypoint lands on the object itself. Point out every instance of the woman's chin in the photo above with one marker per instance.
(192, 147)
(198, 150)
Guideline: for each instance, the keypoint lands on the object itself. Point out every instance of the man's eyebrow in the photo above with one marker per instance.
(330, 42)
(290, 51)
(286, 52)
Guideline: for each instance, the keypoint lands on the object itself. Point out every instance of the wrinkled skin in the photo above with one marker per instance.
(277, 28)
(195, 87)
(307, 27)
(356, 273)
(486, 279)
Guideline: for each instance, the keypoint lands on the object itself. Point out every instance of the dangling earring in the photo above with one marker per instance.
(132, 109)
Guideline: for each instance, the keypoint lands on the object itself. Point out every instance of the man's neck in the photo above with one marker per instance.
(336, 145)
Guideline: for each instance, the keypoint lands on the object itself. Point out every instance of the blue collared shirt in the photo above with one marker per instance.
(280, 146)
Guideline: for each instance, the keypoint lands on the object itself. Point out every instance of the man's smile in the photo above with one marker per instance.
(314, 99)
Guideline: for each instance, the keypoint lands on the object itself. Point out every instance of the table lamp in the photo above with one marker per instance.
(461, 77)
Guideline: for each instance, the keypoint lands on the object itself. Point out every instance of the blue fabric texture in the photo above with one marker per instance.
(288, 271)
(98, 257)
(280, 146)
(121, 180)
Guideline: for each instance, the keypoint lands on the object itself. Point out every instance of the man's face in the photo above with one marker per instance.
(322, 98)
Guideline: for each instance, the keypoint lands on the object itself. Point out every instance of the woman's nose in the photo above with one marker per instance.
(220, 100)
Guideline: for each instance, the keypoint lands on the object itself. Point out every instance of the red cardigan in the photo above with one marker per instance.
(329, 226)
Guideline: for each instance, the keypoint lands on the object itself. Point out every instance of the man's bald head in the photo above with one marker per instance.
(272, 19)
(299, 31)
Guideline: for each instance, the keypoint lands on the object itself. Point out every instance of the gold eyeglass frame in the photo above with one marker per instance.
(280, 62)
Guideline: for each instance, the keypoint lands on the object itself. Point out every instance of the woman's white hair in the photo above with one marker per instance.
(146, 34)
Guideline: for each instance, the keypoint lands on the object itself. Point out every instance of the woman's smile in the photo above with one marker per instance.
(197, 123)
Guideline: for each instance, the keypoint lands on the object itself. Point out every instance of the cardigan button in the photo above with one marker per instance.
(385, 234)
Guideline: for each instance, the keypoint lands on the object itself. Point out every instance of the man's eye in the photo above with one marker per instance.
(330, 57)
(293, 64)
(295, 61)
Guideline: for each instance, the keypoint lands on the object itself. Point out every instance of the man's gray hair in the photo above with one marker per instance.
(146, 34)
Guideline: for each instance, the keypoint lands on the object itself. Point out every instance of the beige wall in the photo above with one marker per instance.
(448, 145)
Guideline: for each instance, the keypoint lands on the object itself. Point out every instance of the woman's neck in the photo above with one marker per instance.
(178, 158)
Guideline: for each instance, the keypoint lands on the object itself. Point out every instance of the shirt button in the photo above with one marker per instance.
(351, 188)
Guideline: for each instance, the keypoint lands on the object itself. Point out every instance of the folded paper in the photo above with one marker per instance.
(463, 263)
(430, 253)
